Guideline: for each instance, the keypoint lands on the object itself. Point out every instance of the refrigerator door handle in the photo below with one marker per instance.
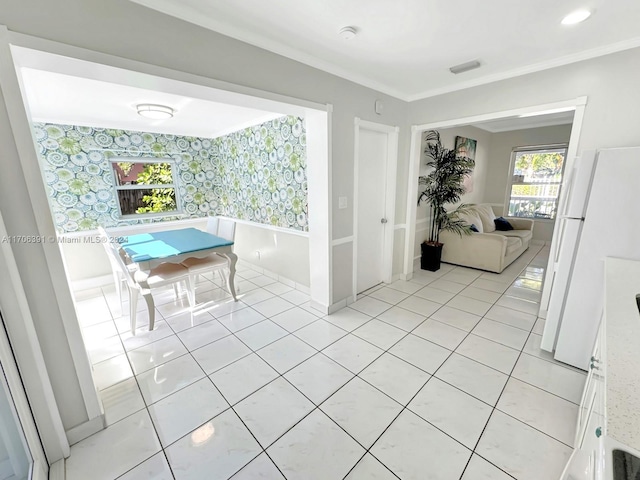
(572, 218)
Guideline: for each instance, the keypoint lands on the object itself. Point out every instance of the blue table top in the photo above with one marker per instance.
(158, 245)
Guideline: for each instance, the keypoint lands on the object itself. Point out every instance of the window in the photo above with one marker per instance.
(536, 177)
(145, 187)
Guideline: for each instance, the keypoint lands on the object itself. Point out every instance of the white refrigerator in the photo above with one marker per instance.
(600, 218)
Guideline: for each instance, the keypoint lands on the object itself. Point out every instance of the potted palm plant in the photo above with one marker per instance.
(442, 186)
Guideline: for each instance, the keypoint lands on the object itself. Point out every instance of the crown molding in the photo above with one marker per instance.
(198, 18)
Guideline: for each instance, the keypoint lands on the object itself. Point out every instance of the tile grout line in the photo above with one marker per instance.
(405, 407)
(495, 407)
(230, 407)
(289, 333)
(146, 408)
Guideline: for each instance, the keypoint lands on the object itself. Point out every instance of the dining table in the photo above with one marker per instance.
(149, 250)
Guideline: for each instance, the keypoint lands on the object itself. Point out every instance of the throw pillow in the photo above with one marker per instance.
(502, 225)
(473, 228)
(471, 218)
(485, 212)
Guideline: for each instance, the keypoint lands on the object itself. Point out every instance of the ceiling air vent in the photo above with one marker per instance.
(465, 67)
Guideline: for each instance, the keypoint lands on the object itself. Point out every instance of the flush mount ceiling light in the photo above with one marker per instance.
(348, 32)
(157, 112)
(576, 17)
(464, 67)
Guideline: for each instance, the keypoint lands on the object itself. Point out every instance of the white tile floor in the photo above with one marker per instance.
(441, 377)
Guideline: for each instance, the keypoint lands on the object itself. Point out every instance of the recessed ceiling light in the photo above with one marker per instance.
(157, 112)
(576, 17)
(348, 32)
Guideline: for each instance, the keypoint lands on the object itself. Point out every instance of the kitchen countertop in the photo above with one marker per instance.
(622, 331)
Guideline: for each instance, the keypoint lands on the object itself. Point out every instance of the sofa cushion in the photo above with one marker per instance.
(513, 244)
(524, 235)
(485, 212)
(472, 218)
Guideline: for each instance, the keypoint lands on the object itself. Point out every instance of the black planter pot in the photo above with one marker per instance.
(431, 255)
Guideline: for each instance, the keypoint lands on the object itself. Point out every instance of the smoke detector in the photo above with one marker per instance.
(348, 33)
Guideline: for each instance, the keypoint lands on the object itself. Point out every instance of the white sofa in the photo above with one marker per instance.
(488, 249)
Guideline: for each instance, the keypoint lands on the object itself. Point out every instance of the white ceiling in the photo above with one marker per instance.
(405, 47)
(520, 123)
(67, 99)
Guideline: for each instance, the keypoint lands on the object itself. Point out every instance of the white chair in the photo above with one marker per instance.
(118, 279)
(225, 228)
(141, 282)
(212, 225)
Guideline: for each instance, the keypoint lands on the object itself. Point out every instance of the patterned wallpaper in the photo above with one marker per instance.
(256, 174)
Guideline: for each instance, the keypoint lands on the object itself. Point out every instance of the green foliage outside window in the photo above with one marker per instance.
(537, 176)
(540, 164)
(160, 199)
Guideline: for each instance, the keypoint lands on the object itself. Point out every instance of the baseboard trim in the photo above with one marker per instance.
(342, 241)
(270, 274)
(324, 309)
(279, 278)
(57, 470)
(89, 283)
(337, 306)
(86, 429)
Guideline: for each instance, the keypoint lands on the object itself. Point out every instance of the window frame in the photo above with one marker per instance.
(511, 173)
(174, 176)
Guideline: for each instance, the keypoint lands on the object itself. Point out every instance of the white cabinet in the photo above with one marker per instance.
(591, 421)
(591, 425)
(609, 415)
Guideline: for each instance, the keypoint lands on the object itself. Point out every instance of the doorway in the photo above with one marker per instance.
(25, 52)
(497, 121)
(376, 157)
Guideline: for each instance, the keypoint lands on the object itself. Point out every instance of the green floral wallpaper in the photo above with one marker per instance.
(256, 174)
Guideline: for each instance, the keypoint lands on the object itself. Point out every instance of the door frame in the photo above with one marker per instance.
(392, 133)
(19, 346)
(577, 104)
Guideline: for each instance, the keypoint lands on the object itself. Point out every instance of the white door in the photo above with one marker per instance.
(371, 212)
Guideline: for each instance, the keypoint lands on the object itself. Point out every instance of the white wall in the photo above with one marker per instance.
(609, 82)
(283, 253)
(448, 138)
(499, 162)
(19, 218)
